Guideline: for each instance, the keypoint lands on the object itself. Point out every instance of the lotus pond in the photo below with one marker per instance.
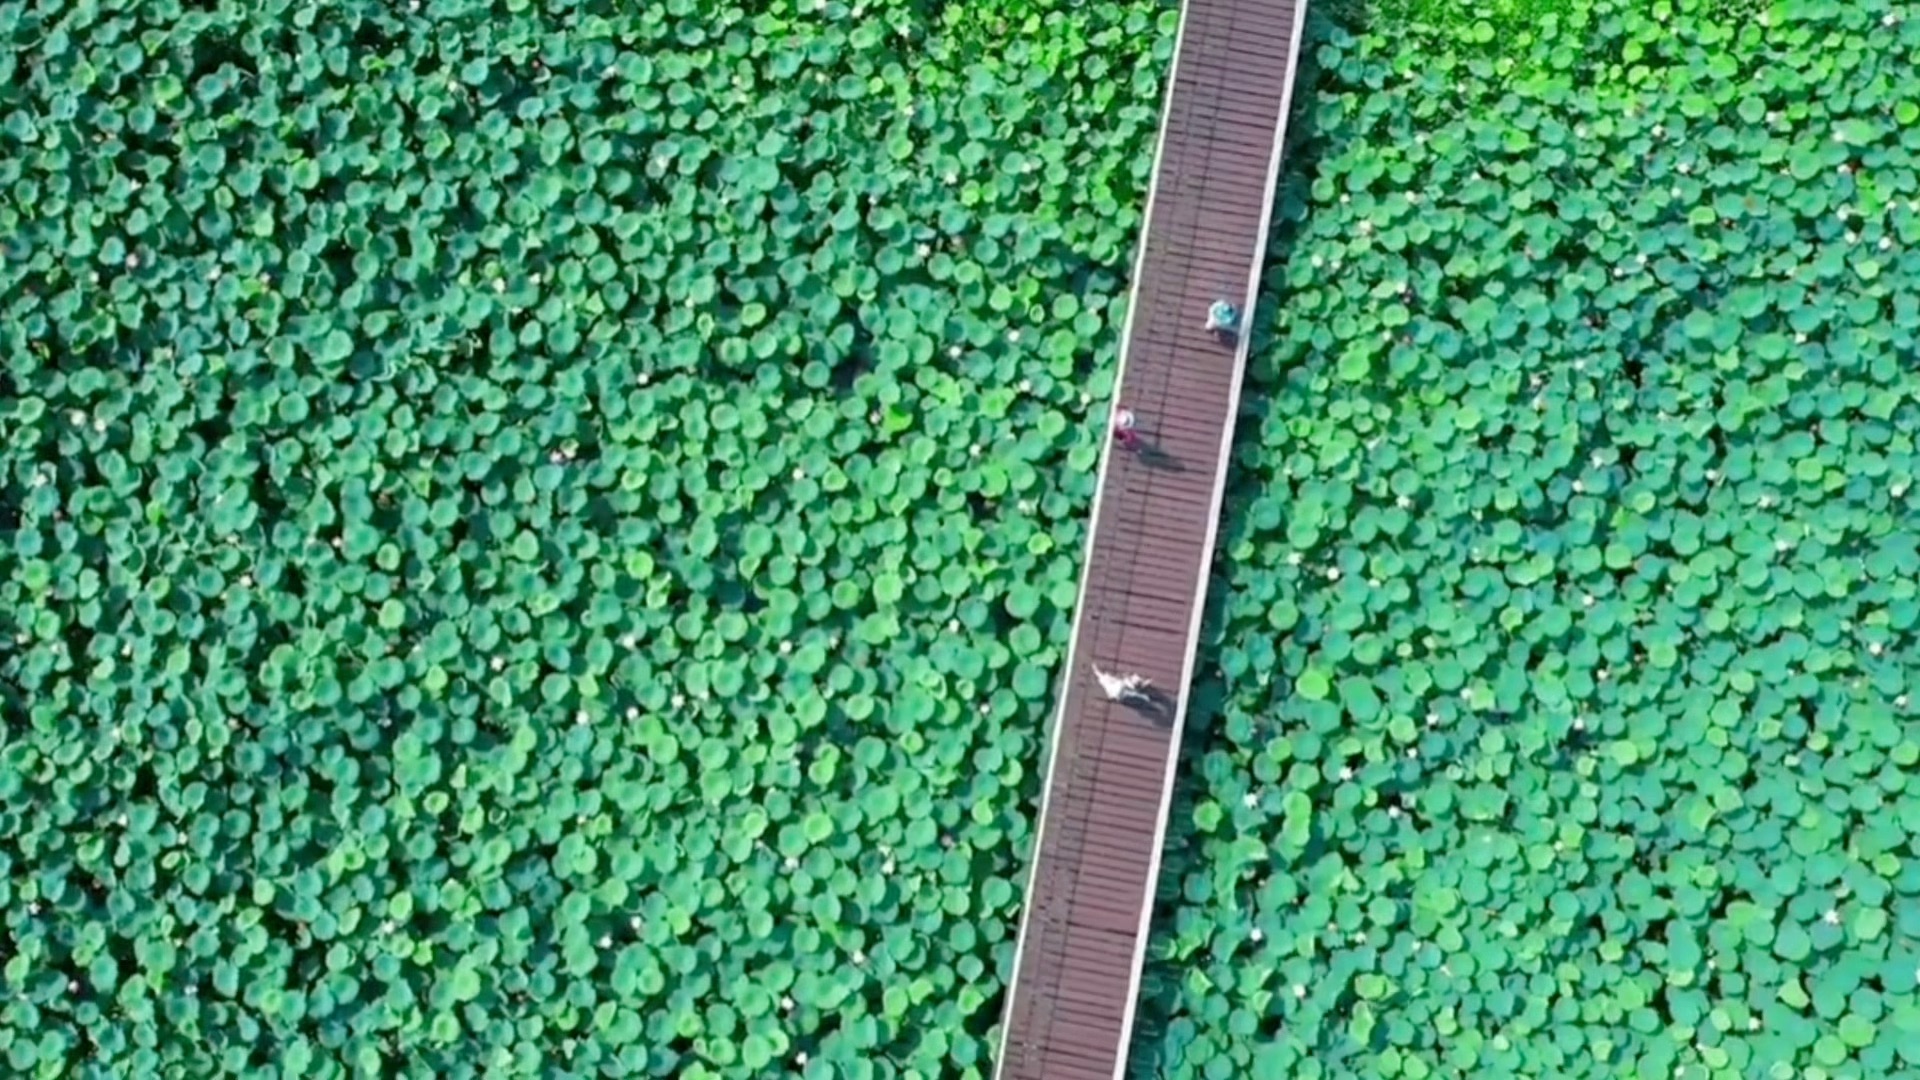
(535, 539)
(1563, 713)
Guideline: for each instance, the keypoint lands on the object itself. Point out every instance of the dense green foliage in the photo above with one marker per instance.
(534, 538)
(1566, 689)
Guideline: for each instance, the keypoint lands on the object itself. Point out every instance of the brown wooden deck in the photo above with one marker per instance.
(1083, 933)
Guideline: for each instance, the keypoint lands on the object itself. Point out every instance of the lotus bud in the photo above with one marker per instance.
(786, 1004)
(1250, 800)
(606, 941)
(1257, 935)
(1299, 991)
(924, 250)
(1832, 917)
(791, 864)
(800, 1059)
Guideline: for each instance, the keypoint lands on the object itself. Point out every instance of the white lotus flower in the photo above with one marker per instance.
(954, 352)
(1013, 335)
(786, 1004)
(1832, 917)
(1875, 648)
(1333, 573)
(1299, 991)
(1258, 935)
(924, 250)
(1346, 772)
(499, 662)
(679, 700)
(1250, 800)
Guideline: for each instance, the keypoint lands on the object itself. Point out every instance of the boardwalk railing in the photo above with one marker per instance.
(1110, 767)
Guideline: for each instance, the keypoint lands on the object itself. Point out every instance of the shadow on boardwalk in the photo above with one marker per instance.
(1155, 704)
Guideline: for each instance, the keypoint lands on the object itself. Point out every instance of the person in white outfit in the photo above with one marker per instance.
(1121, 687)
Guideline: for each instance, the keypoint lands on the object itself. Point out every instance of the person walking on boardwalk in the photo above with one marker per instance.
(1223, 319)
(1122, 688)
(1124, 433)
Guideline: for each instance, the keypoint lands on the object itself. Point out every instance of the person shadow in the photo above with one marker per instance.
(1150, 453)
(1154, 704)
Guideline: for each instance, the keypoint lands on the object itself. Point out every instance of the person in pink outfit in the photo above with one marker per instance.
(1124, 433)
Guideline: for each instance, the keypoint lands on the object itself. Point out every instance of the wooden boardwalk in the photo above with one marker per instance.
(1110, 769)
